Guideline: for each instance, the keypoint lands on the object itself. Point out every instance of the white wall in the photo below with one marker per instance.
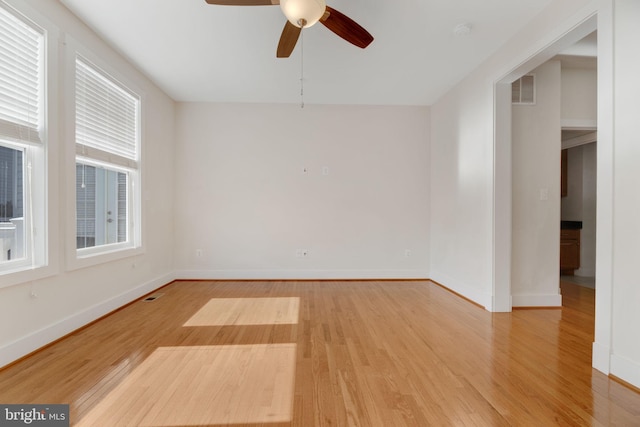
(571, 204)
(536, 193)
(38, 310)
(461, 178)
(580, 202)
(245, 201)
(579, 96)
(589, 204)
(625, 361)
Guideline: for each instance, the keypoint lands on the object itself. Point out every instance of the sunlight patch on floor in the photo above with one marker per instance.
(231, 384)
(247, 311)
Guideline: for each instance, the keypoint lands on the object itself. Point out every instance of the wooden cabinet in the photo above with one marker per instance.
(569, 251)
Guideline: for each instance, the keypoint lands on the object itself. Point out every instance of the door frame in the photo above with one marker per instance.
(601, 20)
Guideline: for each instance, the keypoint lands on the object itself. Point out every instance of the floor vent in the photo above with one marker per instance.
(152, 297)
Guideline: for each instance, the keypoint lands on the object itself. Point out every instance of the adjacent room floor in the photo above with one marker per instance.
(587, 282)
(372, 353)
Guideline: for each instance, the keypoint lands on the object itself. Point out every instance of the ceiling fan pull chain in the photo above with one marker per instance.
(302, 68)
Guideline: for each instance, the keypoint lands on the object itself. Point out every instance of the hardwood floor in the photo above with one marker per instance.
(361, 354)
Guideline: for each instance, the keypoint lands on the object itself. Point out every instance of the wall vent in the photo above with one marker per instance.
(152, 297)
(523, 90)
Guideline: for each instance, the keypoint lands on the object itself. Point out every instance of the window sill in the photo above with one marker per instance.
(25, 273)
(78, 259)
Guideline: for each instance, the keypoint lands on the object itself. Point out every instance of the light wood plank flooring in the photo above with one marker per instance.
(351, 353)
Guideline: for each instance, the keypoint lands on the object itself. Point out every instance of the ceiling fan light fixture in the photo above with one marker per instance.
(303, 13)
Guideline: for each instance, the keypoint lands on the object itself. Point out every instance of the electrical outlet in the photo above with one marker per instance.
(198, 253)
(407, 252)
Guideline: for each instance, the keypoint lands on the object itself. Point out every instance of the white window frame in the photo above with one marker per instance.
(39, 163)
(131, 180)
(84, 257)
(28, 243)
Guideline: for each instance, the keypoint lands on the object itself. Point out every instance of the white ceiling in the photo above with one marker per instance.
(200, 52)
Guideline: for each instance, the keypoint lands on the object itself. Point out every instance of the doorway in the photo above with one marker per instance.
(578, 208)
(602, 21)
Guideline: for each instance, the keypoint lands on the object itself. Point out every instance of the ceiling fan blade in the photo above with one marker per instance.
(244, 2)
(288, 40)
(346, 28)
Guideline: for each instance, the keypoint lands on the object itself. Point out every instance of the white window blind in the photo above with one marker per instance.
(21, 45)
(106, 115)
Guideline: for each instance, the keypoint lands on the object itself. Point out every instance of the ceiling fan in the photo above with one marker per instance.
(303, 14)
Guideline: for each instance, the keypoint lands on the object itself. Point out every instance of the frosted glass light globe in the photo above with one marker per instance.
(303, 12)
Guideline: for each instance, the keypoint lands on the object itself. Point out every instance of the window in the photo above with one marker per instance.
(11, 194)
(107, 117)
(101, 206)
(21, 142)
(12, 233)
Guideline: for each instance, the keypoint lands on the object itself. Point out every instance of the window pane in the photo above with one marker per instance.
(12, 230)
(101, 206)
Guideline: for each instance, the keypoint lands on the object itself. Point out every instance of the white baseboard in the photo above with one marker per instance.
(300, 274)
(625, 369)
(466, 291)
(548, 300)
(601, 358)
(32, 342)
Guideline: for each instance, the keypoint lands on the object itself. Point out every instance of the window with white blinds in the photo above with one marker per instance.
(106, 116)
(22, 140)
(107, 139)
(21, 57)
